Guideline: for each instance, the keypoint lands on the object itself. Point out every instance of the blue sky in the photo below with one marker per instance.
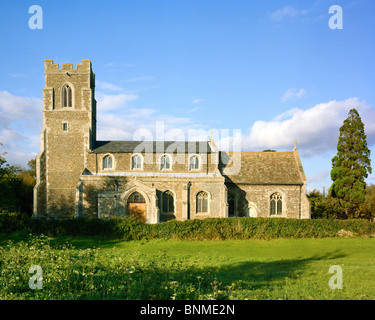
(272, 70)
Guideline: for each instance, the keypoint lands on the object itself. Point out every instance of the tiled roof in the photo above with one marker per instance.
(261, 167)
(152, 147)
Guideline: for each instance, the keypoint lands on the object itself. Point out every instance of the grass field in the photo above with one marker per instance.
(95, 268)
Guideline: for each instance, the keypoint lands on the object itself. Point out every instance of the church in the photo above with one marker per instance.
(155, 181)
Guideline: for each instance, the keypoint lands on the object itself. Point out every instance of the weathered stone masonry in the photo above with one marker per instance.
(78, 176)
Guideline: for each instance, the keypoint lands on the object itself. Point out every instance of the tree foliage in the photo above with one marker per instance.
(16, 186)
(351, 166)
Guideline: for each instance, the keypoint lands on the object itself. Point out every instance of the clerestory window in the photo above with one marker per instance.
(136, 162)
(107, 162)
(165, 162)
(194, 163)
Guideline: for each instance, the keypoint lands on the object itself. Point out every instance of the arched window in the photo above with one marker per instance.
(276, 204)
(202, 202)
(165, 162)
(67, 100)
(107, 162)
(194, 163)
(136, 197)
(231, 204)
(167, 202)
(136, 162)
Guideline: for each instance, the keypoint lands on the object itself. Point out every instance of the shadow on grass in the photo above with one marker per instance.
(182, 279)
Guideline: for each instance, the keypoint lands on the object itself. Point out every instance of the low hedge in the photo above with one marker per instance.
(211, 228)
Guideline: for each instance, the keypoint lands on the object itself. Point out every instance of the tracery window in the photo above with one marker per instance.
(202, 202)
(136, 197)
(167, 202)
(276, 204)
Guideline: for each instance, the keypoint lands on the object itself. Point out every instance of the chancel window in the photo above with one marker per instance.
(276, 204)
(202, 202)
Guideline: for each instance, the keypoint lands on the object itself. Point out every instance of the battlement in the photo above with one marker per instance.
(51, 67)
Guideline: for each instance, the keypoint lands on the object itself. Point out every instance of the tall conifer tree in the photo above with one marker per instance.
(351, 165)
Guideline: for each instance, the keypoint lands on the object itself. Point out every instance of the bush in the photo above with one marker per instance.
(12, 222)
(211, 228)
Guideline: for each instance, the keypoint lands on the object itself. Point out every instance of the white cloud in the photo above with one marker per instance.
(116, 65)
(316, 129)
(128, 123)
(108, 102)
(14, 107)
(144, 78)
(320, 176)
(134, 123)
(18, 75)
(191, 110)
(286, 12)
(20, 124)
(293, 94)
(196, 101)
(108, 86)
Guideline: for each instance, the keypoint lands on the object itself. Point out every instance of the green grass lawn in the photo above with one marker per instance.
(173, 269)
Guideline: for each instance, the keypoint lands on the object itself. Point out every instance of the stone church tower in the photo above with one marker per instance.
(69, 132)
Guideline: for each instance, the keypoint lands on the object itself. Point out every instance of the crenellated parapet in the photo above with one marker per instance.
(51, 67)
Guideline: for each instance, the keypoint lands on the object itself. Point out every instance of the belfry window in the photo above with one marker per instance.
(276, 204)
(67, 96)
(107, 162)
(194, 163)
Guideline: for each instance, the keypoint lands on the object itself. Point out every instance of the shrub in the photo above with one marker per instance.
(12, 222)
(211, 228)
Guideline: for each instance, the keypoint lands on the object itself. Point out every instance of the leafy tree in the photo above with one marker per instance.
(368, 207)
(316, 199)
(351, 166)
(16, 186)
(332, 208)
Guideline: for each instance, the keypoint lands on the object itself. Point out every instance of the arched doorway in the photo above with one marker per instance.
(136, 206)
